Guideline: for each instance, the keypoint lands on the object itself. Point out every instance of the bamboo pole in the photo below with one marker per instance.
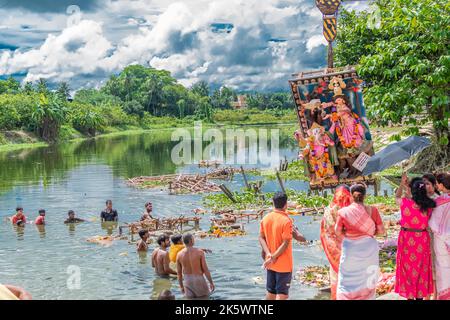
(245, 178)
(280, 181)
(227, 192)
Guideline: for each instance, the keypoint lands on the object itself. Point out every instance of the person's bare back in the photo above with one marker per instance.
(191, 260)
(192, 270)
(160, 261)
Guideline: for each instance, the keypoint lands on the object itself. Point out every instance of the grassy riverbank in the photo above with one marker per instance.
(22, 139)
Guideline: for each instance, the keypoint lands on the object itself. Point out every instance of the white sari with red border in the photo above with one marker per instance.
(359, 264)
(440, 226)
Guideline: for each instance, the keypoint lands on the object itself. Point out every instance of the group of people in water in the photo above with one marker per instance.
(347, 232)
(349, 226)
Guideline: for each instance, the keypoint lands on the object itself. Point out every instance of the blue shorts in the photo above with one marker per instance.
(278, 282)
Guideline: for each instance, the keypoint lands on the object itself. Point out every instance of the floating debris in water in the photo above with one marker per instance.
(316, 276)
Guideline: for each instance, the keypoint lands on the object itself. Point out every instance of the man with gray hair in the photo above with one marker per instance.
(192, 270)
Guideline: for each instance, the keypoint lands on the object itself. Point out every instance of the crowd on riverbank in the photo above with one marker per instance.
(347, 233)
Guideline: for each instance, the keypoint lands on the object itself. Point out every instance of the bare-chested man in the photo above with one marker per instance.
(192, 269)
(142, 245)
(147, 215)
(160, 257)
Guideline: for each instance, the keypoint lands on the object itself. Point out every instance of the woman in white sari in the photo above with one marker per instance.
(440, 226)
(359, 263)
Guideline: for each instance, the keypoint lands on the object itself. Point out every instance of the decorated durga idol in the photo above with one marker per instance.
(334, 130)
(320, 153)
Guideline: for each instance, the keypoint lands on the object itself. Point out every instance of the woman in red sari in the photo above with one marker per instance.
(331, 242)
(414, 275)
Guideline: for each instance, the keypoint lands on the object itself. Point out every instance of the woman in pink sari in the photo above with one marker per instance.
(440, 227)
(414, 275)
(359, 263)
(332, 243)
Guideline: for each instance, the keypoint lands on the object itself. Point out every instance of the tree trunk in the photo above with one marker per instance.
(436, 158)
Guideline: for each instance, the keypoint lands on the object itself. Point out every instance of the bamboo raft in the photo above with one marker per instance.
(192, 184)
(242, 214)
(184, 183)
(209, 163)
(169, 224)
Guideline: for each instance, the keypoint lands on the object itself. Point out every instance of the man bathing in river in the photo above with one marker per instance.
(160, 257)
(147, 215)
(276, 233)
(192, 269)
(177, 246)
(72, 218)
(109, 214)
(142, 245)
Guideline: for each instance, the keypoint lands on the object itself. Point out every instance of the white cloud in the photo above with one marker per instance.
(177, 36)
(78, 49)
(315, 41)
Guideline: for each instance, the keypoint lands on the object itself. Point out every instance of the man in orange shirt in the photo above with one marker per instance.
(275, 237)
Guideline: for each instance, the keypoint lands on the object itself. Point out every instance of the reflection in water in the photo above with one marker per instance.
(71, 227)
(20, 231)
(159, 285)
(142, 257)
(128, 156)
(109, 226)
(41, 230)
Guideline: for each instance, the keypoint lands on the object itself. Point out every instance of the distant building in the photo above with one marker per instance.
(240, 103)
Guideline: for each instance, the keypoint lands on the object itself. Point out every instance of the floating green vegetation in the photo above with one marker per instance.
(370, 199)
(249, 200)
(388, 259)
(244, 200)
(295, 171)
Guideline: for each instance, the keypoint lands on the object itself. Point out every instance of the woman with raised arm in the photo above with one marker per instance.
(359, 263)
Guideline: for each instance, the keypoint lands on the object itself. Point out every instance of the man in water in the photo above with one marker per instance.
(192, 269)
(276, 233)
(40, 220)
(72, 218)
(147, 213)
(109, 214)
(160, 257)
(19, 216)
(142, 245)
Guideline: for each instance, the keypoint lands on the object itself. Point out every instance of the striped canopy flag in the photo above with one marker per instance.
(330, 28)
(328, 7)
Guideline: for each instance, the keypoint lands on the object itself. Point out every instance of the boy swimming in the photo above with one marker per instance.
(72, 218)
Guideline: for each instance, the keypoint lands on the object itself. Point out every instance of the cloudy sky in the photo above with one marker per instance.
(244, 44)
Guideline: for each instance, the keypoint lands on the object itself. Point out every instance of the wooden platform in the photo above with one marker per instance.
(332, 183)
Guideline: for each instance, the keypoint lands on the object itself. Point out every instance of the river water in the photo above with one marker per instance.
(81, 176)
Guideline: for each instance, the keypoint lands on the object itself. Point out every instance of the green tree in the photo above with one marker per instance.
(134, 107)
(406, 63)
(201, 88)
(42, 86)
(222, 98)
(86, 118)
(63, 90)
(48, 115)
(28, 87)
(9, 85)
